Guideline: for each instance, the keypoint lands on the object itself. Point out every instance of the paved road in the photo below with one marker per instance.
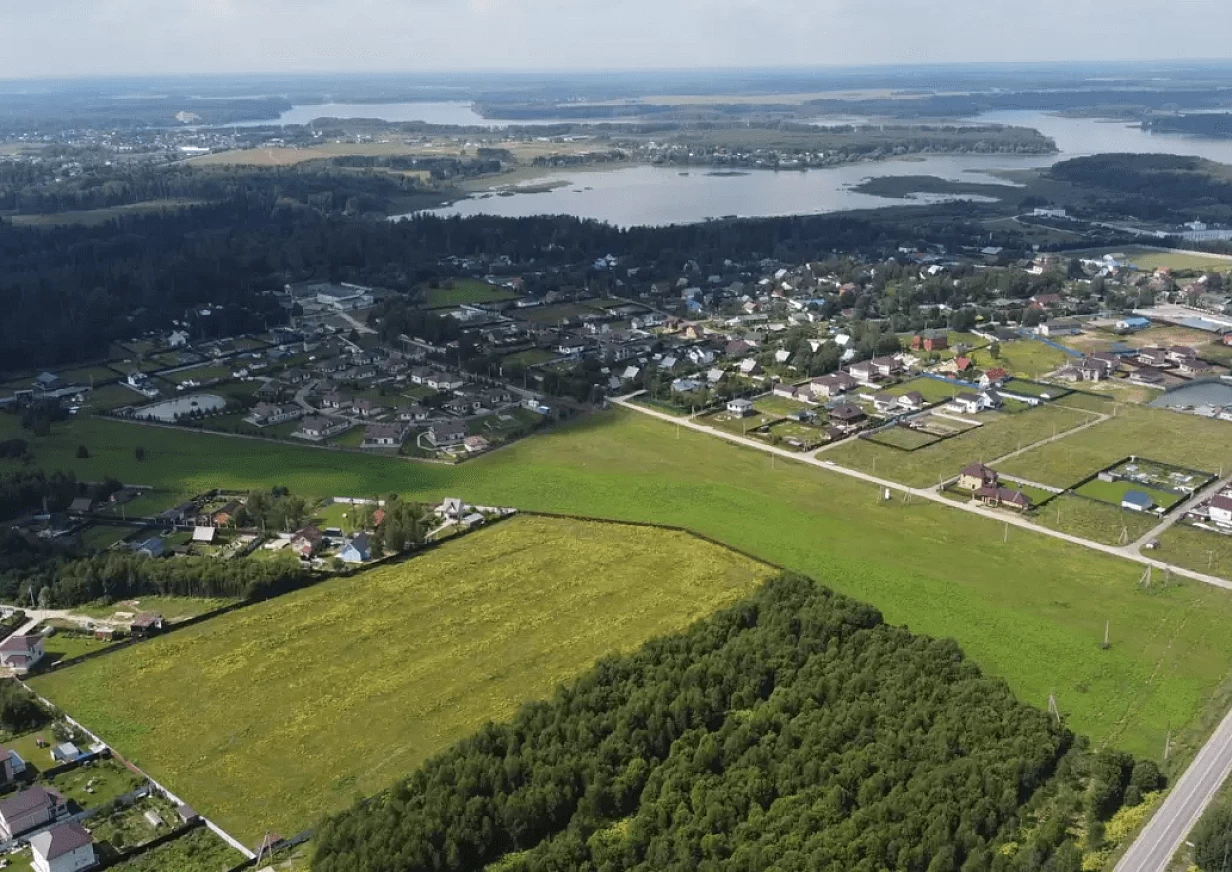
(1126, 552)
(1172, 822)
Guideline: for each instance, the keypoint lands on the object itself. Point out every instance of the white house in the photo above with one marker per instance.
(741, 408)
(21, 653)
(965, 404)
(66, 847)
(1221, 510)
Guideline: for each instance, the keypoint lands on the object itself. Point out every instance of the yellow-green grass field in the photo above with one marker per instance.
(1001, 434)
(931, 389)
(463, 291)
(1179, 260)
(1030, 610)
(1025, 357)
(1094, 520)
(199, 851)
(1154, 434)
(94, 217)
(1200, 550)
(299, 703)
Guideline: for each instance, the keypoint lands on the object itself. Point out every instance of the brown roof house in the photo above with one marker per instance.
(977, 476)
(66, 847)
(21, 653)
(30, 808)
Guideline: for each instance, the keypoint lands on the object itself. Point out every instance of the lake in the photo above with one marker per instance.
(647, 195)
(1207, 393)
(456, 112)
(168, 409)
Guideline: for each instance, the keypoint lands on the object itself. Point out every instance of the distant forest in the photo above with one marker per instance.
(1153, 187)
(793, 731)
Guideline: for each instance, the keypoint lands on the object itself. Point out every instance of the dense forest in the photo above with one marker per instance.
(1155, 187)
(794, 731)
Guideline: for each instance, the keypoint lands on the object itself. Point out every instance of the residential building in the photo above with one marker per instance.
(966, 404)
(447, 433)
(912, 401)
(358, 550)
(306, 541)
(994, 377)
(32, 807)
(145, 625)
(11, 766)
(1153, 356)
(847, 416)
(885, 403)
(740, 407)
(384, 436)
(269, 414)
(1137, 501)
(152, 547)
(833, 385)
(318, 427)
(977, 476)
(1003, 497)
(1220, 510)
(930, 341)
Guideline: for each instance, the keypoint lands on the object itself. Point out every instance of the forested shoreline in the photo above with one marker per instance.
(795, 730)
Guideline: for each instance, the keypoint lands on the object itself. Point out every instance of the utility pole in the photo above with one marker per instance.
(1006, 537)
(1106, 644)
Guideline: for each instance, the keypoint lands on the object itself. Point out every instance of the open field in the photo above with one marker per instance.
(1169, 437)
(531, 357)
(1025, 357)
(94, 217)
(1177, 260)
(904, 438)
(1095, 520)
(1000, 435)
(1029, 610)
(781, 407)
(102, 536)
(173, 608)
(465, 291)
(298, 703)
(931, 389)
(1196, 549)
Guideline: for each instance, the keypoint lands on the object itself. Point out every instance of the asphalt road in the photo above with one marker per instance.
(1181, 809)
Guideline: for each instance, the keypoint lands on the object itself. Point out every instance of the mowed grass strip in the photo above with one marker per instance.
(271, 716)
(1000, 435)
(1154, 434)
(1030, 609)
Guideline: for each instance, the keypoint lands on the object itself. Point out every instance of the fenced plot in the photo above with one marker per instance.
(904, 438)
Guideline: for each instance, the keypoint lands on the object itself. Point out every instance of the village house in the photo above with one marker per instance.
(445, 434)
(833, 385)
(32, 807)
(219, 517)
(415, 413)
(977, 476)
(336, 400)
(1137, 501)
(368, 408)
(1178, 354)
(1059, 327)
(21, 653)
(1220, 510)
(268, 414)
(318, 427)
(912, 401)
(1003, 497)
(994, 377)
(11, 766)
(1194, 368)
(885, 403)
(1153, 356)
(306, 541)
(740, 407)
(145, 625)
(66, 847)
(384, 436)
(930, 341)
(847, 416)
(966, 404)
(475, 444)
(357, 550)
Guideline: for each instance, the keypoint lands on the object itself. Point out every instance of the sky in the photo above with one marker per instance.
(71, 38)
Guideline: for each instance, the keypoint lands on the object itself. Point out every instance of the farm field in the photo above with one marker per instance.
(1000, 435)
(1030, 610)
(443, 643)
(1157, 434)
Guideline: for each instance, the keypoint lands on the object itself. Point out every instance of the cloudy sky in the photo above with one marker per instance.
(87, 37)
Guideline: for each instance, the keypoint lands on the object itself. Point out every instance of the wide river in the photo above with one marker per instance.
(667, 195)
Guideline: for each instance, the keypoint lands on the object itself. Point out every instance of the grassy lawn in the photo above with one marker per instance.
(100, 375)
(1153, 260)
(1098, 521)
(97, 783)
(147, 504)
(1026, 357)
(739, 426)
(1169, 437)
(172, 608)
(902, 437)
(65, 646)
(128, 827)
(799, 436)
(530, 357)
(199, 374)
(1030, 610)
(1113, 492)
(1196, 549)
(781, 407)
(113, 396)
(1028, 388)
(299, 703)
(463, 291)
(1000, 435)
(100, 537)
(199, 851)
(933, 390)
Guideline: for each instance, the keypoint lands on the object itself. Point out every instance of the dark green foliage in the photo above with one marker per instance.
(1213, 840)
(792, 731)
(27, 489)
(1110, 773)
(20, 710)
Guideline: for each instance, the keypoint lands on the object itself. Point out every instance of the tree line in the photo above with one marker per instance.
(793, 731)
